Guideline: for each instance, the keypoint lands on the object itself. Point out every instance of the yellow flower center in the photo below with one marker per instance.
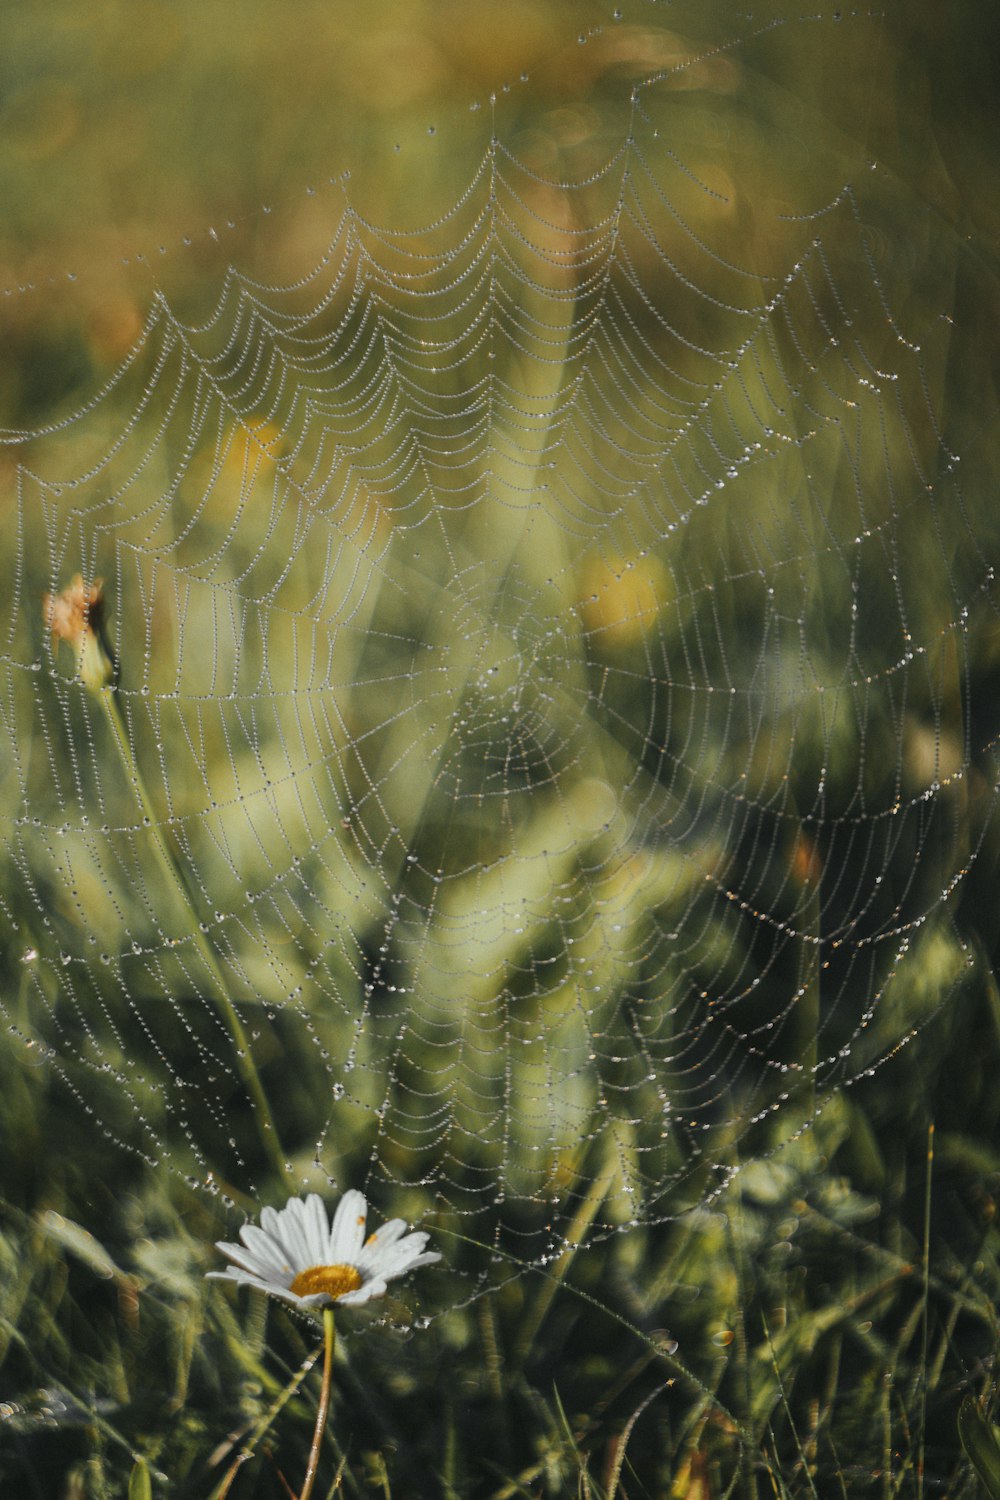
(333, 1280)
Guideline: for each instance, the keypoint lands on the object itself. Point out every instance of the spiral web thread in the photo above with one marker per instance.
(544, 639)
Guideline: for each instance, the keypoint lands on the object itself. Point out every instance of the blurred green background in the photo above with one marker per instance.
(537, 933)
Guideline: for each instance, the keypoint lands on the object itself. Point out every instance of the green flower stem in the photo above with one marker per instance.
(178, 879)
(329, 1342)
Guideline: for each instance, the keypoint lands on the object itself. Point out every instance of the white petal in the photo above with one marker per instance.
(429, 1258)
(376, 1244)
(376, 1288)
(265, 1249)
(270, 1218)
(402, 1267)
(238, 1275)
(317, 1228)
(316, 1299)
(284, 1294)
(272, 1288)
(243, 1258)
(402, 1252)
(245, 1278)
(348, 1231)
(293, 1228)
(273, 1225)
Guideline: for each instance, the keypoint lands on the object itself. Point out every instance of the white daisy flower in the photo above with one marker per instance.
(298, 1255)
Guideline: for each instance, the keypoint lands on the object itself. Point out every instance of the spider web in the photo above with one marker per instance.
(546, 638)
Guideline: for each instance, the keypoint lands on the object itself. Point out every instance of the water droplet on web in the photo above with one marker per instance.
(622, 633)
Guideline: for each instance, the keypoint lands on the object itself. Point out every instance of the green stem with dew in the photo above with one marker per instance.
(177, 877)
(329, 1344)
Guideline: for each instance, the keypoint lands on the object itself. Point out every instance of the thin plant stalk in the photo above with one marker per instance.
(177, 877)
(76, 615)
(582, 1220)
(246, 1452)
(925, 1298)
(329, 1344)
(805, 1021)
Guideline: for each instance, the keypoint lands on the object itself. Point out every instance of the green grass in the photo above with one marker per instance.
(812, 1315)
(813, 1332)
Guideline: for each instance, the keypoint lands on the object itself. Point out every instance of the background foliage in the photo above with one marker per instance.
(815, 1328)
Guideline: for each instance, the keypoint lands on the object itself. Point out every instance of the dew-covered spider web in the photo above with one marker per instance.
(548, 636)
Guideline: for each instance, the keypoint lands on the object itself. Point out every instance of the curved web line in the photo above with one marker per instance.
(464, 593)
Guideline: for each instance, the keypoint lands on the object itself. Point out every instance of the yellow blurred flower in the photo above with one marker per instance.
(621, 598)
